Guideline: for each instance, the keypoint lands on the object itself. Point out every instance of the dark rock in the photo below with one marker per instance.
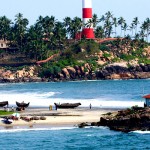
(84, 124)
(139, 69)
(42, 118)
(35, 118)
(136, 118)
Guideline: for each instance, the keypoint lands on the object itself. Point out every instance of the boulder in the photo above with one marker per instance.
(115, 76)
(71, 69)
(65, 72)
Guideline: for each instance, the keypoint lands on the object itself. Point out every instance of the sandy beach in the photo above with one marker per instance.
(60, 117)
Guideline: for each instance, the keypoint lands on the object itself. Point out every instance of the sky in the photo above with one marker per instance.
(32, 9)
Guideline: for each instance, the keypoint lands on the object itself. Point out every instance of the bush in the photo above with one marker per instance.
(89, 46)
(105, 55)
(56, 69)
(104, 48)
(127, 57)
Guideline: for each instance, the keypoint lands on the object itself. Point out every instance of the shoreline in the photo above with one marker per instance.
(40, 80)
(59, 118)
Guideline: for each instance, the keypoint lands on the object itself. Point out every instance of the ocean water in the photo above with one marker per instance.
(72, 139)
(102, 94)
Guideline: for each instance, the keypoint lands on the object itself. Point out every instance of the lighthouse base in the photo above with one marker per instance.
(88, 33)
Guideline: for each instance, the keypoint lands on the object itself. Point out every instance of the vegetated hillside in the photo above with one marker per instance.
(96, 56)
(85, 59)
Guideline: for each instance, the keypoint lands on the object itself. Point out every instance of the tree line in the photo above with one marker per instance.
(49, 34)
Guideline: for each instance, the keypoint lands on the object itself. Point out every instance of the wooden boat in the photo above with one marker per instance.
(4, 103)
(67, 105)
(22, 104)
(7, 121)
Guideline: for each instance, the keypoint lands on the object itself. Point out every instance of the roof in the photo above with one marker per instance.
(147, 96)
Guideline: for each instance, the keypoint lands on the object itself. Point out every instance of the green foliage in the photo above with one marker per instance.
(92, 47)
(1, 51)
(56, 69)
(106, 55)
(46, 72)
(116, 59)
(104, 47)
(3, 112)
(89, 46)
(144, 61)
(127, 57)
(137, 53)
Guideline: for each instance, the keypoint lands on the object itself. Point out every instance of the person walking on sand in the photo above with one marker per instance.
(90, 106)
(55, 107)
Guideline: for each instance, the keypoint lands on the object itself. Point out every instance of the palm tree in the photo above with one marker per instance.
(124, 27)
(35, 42)
(48, 25)
(115, 24)
(60, 34)
(75, 27)
(95, 20)
(121, 22)
(89, 24)
(67, 22)
(137, 36)
(4, 28)
(109, 15)
(146, 27)
(108, 23)
(108, 28)
(135, 23)
(131, 28)
(102, 19)
(20, 28)
(99, 32)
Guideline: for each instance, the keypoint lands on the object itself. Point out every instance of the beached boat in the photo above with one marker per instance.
(22, 104)
(7, 121)
(4, 103)
(67, 105)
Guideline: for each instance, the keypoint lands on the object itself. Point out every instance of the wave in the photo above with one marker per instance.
(141, 132)
(35, 129)
(44, 99)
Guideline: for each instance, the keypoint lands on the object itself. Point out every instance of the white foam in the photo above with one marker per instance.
(141, 132)
(44, 99)
(35, 129)
(63, 128)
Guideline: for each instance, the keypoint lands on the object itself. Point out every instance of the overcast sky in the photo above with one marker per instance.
(32, 9)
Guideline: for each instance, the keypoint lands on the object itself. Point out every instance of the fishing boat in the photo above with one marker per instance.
(4, 103)
(67, 105)
(22, 104)
(7, 121)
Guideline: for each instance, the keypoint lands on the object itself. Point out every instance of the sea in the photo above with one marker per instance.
(102, 94)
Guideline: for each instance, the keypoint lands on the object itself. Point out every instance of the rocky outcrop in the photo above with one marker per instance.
(136, 118)
(85, 72)
(23, 75)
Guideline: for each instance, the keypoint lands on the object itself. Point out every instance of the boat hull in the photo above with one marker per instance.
(67, 105)
(22, 105)
(4, 103)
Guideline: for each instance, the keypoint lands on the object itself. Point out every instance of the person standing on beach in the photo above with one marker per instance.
(90, 106)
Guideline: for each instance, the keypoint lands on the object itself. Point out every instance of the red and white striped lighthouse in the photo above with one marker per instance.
(87, 32)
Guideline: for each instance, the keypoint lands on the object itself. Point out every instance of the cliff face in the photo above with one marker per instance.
(78, 73)
(109, 72)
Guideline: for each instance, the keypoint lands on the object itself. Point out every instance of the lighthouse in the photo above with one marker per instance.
(87, 31)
